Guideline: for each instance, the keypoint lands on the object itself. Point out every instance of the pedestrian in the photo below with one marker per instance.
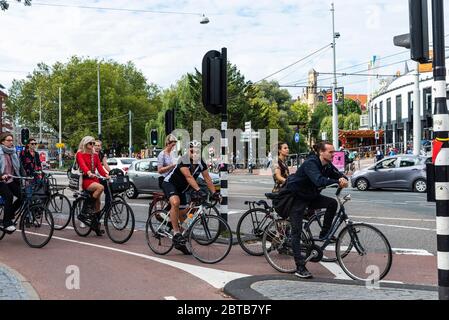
(9, 187)
(379, 154)
(29, 159)
(280, 169)
(269, 159)
(165, 163)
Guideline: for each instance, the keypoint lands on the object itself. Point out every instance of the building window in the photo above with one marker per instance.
(427, 102)
(410, 106)
(376, 122)
(399, 111)
(381, 108)
(388, 110)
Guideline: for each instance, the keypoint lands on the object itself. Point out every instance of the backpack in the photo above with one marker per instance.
(283, 202)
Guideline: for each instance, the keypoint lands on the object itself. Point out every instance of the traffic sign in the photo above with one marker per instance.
(19, 148)
(60, 145)
(297, 137)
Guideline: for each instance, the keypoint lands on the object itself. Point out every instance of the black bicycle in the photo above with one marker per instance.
(36, 221)
(58, 203)
(119, 218)
(361, 249)
(252, 224)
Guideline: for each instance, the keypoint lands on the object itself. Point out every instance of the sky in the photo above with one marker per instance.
(261, 37)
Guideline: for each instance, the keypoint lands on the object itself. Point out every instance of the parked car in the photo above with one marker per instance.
(144, 178)
(120, 163)
(397, 172)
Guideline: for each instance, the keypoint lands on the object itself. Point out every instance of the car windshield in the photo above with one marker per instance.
(127, 161)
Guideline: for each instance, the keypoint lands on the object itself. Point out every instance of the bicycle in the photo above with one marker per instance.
(58, 204)
(209, 237)
(252, 224)
(360, 250)
(36, 221)
(118, 220)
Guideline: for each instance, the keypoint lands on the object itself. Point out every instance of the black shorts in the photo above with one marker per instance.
(170, 190)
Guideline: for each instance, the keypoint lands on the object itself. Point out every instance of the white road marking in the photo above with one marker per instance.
(170, 298)
(394, 218)
(415, 252)
(402, 227)
(216, 278)
(336, 270)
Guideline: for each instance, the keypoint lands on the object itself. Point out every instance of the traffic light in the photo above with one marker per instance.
(25, 136)
(214, 76)
(169, 121)
(418, 38)
(153, 137)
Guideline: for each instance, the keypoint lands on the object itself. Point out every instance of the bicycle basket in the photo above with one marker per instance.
(37, 189)
(119, 184)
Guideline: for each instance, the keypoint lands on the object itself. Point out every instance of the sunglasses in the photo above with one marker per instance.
(33, 143)
(91, 143)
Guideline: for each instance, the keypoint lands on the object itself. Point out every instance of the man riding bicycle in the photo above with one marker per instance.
(180, 180)
(316, 173)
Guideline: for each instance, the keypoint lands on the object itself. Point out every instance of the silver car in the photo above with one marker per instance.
(396, 172)
(144, 178)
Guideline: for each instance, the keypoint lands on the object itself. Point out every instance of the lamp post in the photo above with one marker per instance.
(99, 108)
(335, 35)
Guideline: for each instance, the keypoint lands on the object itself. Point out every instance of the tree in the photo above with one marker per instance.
(352, 121)
(4, 5)
(123, 88)
(322, 110)
(349, 106)
(326, 126)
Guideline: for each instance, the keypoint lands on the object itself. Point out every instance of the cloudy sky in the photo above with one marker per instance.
(261, 36)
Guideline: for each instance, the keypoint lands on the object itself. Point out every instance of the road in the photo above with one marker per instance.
(132, 271)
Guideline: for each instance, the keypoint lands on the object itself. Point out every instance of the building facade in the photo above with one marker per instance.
(5, 121)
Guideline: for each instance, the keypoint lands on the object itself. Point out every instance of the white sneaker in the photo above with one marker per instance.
(82, 225)
(11, 228)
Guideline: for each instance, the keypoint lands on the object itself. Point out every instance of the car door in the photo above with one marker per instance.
(153, 177)
(384, 174)
(141, 175)
(407, 169)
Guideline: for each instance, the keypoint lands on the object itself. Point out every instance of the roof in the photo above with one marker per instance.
(358, 133)
(361, 99)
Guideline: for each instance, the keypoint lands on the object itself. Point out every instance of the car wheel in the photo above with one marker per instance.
(132, 193)
(420, 186)
(362, 184)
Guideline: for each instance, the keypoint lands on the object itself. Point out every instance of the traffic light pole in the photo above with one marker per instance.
(441, 131)
(224, 139)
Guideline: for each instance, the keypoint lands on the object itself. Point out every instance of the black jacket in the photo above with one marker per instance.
(311, 178)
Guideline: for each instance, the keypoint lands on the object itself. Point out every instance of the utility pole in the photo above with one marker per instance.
(60, 130)
(130, 134)
(99, 109)
(334, 87)
(40, 119)
(416, 114)
(441, 132)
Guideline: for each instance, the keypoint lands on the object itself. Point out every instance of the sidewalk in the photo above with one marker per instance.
(289, 287)
(14, 286)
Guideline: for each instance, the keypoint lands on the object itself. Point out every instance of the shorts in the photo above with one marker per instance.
(170, 190)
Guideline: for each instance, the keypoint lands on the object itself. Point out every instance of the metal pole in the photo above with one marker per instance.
(416, 114)
(99, 108)
(130, 134)
(334, 87)
(40, 119)
(60, 130)
(441, 131)
(224, 139)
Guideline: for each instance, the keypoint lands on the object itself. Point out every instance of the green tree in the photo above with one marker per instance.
(352, 121)
(326, 126)
(349, 106)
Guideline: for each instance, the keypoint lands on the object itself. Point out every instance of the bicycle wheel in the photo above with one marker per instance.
(363, 252)
(119, 222)
(313, 228)
(276, 244)
(37, 226)
(209, 238)
(157, 232)
(250, 229)
(60, 207)
(80, 228)
(159, 204)
(2, 212)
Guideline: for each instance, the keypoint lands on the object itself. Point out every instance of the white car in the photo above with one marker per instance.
(120, 163)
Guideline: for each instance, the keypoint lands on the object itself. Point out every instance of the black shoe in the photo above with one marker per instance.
(180, 244)
(96, 226)
(183, 249)
(303, 273)
(86, 219)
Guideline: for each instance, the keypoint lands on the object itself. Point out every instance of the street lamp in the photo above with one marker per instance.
(335, 35)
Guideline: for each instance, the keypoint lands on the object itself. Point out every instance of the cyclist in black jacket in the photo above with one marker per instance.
(316, 173)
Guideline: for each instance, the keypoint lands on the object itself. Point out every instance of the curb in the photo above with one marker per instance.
(241, 288)
(26, 285)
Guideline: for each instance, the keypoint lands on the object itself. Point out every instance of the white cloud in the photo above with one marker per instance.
(261, 36)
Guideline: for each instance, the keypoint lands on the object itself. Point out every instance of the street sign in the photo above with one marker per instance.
(297, 137)
(19, 148)
(60, 145)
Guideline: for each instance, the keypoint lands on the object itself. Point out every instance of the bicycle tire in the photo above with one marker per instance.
(116, 224)
(250, 240)
(34, 222)
(62, 214)
(218, 236)
(76, 223)
(2, 212)
(159, 204)
(157, 233)
(350, 257)
(274, 241)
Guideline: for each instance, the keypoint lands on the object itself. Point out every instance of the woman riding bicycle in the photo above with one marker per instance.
(280, 169)
(29, 159)
(9, 166)
(88, 161)
(164, 159)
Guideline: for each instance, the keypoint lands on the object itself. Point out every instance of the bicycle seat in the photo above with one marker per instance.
(262, 203)
(158, 194)
(271, 195)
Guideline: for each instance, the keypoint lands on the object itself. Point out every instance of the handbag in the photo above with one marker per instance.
(75, 177)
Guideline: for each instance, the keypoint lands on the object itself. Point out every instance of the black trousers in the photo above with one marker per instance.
(8, 191)
(297, 215)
